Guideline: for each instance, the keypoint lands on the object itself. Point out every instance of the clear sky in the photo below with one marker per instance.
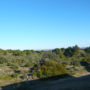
(44, 24)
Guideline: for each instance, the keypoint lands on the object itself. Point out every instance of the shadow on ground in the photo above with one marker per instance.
(53, 83)
(28, 84)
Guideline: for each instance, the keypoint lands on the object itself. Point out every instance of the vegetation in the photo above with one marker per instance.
(48, 69)
(30, 64)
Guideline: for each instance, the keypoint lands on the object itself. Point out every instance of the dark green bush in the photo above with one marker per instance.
(15, 75)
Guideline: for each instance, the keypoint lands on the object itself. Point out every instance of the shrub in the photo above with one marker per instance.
(29, 64)
(14, 67)
(15, 75)
(49, 69)
(2, 60)
(5, 77)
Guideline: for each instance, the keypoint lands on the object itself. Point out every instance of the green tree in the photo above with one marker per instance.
(87, 49)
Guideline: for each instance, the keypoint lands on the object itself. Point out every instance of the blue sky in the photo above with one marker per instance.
(44, 24)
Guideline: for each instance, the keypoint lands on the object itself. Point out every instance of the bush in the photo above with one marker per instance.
(49, 69)
(15, 75)
(29, 64)
(9, 64)
(6, 77)
(14, 67)
(2, 60)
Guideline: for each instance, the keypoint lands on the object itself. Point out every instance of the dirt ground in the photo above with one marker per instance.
(79, 83)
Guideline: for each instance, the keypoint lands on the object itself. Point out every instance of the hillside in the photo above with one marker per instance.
(29, 65)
